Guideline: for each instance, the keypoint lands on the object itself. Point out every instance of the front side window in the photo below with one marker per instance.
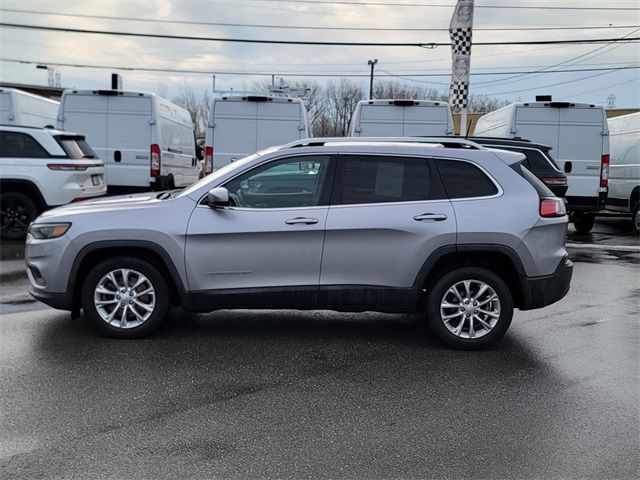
(20, 145)
(287, 183)
(465, 180)
(381, 179)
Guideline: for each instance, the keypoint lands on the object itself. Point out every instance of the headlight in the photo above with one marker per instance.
(43, 231)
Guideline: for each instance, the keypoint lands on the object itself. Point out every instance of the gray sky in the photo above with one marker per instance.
(311, 60)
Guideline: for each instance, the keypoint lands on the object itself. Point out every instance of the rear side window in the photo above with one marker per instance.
(541, 189)
(536, 161)
(465, 180)
(76, 147)
(20, 145)
(372, 179)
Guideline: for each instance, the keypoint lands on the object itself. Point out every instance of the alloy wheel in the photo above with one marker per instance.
(124, 298)
(470, 309)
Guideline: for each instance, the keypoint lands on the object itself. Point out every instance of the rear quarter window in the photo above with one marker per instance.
(465, 180)
(20, 145)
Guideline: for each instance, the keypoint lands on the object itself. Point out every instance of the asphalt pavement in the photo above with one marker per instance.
(249, 394)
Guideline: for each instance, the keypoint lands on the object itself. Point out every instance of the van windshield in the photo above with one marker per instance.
(76, 147)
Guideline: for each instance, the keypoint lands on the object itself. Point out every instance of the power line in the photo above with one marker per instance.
(604, 88)
(289, 74)
(308, 42)
(443, 5)
(306, 27)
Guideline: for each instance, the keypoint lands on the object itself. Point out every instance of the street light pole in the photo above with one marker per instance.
(372, 63)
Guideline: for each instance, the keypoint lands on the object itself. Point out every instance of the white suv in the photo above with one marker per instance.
(43, 168)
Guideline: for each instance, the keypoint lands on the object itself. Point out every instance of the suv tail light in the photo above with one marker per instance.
(555, 181)
(604, 171)
(78, 167)
(155, 160)
(552, 207)
(208, 160)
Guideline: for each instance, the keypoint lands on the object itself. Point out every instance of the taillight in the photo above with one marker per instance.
(208, 160)
(155, 160)
(555, 181)
(78, 167)
(552, 207)
(604, 171)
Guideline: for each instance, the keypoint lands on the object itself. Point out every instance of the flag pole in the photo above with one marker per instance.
(461, 33)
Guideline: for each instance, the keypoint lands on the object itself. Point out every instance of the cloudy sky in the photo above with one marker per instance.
(227, 60)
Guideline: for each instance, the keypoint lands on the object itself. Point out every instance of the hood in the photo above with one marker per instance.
(104, 205)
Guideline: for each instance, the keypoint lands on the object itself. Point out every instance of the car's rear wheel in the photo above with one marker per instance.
(583, 222)
(17, 211)
(469, 308)
(125, 297)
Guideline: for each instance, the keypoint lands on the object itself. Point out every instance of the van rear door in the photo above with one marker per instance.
(380, 121)
(278, 123)
(129, 140)
(581, 143)
(234, 133)
(426, 120)
(86, 114)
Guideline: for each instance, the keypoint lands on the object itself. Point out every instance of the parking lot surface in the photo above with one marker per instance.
(247, 394)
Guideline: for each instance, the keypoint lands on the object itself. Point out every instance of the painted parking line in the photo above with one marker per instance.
(592, 246)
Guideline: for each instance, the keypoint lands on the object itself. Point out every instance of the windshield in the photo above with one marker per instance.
(218, 173)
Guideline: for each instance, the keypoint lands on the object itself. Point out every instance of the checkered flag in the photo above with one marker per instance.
(461, 33)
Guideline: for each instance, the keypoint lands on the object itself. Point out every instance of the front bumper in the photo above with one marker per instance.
(61, 301)
(538, 292)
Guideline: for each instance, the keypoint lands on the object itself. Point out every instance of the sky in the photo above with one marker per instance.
(622, 87)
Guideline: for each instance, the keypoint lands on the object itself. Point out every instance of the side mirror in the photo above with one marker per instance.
(568, 166)
(218, 197)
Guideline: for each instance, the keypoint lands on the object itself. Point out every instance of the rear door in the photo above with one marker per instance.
(581, 143)
(278, 123)
(538, 124)
(425, 120)
(381, 121)
(129, 141)
(387, 215)
(87, 114)
(234, 131)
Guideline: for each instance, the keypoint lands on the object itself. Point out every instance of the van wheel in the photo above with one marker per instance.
(125, 297)
(469, 308)
(17, 211)
(635, 219)
(583, 222)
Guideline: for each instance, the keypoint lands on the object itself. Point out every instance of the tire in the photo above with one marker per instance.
(635, 219)
(136, 323)
(583, 223)
(17, 211)
(482, 336)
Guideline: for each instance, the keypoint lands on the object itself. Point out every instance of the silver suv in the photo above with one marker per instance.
(463, 234)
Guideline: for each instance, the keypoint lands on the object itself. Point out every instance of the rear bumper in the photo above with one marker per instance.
(538, 292)
(61, 301)
(587, 204)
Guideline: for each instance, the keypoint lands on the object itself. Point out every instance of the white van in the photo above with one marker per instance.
(401, 118)
(27, 110)
(624, 171)
(579, 136)
(243, 124)
(145, 141)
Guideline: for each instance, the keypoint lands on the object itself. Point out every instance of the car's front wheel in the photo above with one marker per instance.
(125, 297)
(469, 308)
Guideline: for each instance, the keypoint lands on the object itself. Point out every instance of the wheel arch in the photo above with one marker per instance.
(149, 251)
(499, 259)
(24, 186)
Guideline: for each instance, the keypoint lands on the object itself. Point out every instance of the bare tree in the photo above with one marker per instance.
(188, 100)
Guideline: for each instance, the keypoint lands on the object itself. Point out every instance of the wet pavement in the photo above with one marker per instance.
(248, 394)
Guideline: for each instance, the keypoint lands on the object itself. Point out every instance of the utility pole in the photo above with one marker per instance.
(372, 63)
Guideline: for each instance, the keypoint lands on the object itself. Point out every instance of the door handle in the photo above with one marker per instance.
(301, 220)
(433, 217)
(117, 156)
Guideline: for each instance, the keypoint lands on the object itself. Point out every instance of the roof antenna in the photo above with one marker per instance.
(466, 136)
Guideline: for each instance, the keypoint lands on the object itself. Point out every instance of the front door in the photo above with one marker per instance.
(268, 243)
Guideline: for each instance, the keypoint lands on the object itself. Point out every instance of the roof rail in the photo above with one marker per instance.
(446, 142)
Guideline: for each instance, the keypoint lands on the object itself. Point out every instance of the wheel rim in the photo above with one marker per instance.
(636, 219)
(14, 216)
(470, 309)
(124, 298)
